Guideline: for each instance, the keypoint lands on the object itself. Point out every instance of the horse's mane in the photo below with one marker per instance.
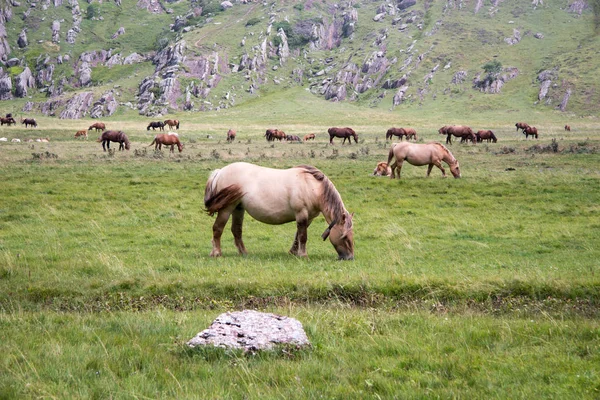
(331, 197)
(445, 150)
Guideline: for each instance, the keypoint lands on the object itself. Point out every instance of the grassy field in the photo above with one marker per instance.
(485, 286)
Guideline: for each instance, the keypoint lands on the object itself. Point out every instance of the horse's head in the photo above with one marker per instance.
(341, 236)
(455, 169)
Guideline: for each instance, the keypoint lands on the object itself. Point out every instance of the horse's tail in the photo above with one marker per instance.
(215, 200)
(153, 142)
(391, 154)
(177, 124)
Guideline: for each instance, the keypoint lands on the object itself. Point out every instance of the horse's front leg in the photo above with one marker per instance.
(218, 226)
(103, 148)
(439, 165)
(299, 244)
(449, 139)
(236, 228)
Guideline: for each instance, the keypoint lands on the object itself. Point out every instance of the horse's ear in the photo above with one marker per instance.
(325, 234)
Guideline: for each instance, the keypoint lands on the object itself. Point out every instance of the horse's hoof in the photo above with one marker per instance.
(215, 253)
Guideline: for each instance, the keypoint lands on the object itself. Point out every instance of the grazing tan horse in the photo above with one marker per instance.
(230, 136)
(114, 136)
(98, 126)
(382, 169)
(530, 130)
(345, 133)
(422, 154)
(486, 135)
(310, 136)
(276, 196)
(173, 123)
(167, 139)
(568, 128)
(81, 133)
(521, 125)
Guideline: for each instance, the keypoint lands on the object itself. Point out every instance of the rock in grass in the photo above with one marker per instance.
(251, 330)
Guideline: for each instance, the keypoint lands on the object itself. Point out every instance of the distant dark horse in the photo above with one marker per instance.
(156, 124)
(486, 135)
(98, 126)
(29, 121)
(230, 136)
(345, 133)
(400, 132)
(114, 136)
(8, 121)
(521, 125)
(531, 130)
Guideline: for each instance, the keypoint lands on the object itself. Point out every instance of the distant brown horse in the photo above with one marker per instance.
(273, 134)
(400, 132)
(114, 136)
(29, 121)
(310, 136)
(568, 128)
(521, 125)
(531, 130)
(486, 135)
(156, 124)
(411, 133)
(463, 132)
(345, 133)
(168, 139)
(382, 169)
(82, 133)
(8, 121)
(173, 123)
(230, 136)
(98, 126)
(422, 154)
(292, 138)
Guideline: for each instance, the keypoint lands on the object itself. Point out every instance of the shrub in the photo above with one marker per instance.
(492, 67)
(92, 11)
(252, 21)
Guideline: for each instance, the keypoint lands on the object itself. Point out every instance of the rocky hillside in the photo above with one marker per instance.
(71, 59)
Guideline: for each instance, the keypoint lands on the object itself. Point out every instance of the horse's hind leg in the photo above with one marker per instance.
(218, 226)
(236, 228)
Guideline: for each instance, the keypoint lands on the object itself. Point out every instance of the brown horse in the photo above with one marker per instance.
(82, 133)
(98, 126)
(230, 136)
(411, 133)
(422, 154)
(8, 121)
(275, 196)
(486, 135)
(382, 169)
(463, 132)
(29, 121)
(168, 139)
(173, 123)
(273, 134)
(568, 128)
(521, 125)
(310, 136)
(345, 133)
(114, 136)
(530, 130)
(400, 132)
(156, 124)
(292, 138)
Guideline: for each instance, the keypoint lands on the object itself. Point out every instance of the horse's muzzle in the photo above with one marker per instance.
(346, 257)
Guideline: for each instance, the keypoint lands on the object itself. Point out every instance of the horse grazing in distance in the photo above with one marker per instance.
(8, 121)
(156, 124)
(114, 136)
(277, 196)
(411, 133)
(345, 133)
(382, 169)
(98, 126)
(82, 133)
(530, 130)
(230, 136)
(521, 125)
(486, 135)
(292, 138)
(29, 121)
(422, 154)
(400, 132)
(463, 132)
(310, 136)
(167, 139)
(173, 123)
(273, 134)
(568, 128)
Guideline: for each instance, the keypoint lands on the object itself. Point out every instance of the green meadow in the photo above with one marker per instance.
(482, 287)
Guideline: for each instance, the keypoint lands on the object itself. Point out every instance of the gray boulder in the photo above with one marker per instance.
(5, 86)
(251, 331)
